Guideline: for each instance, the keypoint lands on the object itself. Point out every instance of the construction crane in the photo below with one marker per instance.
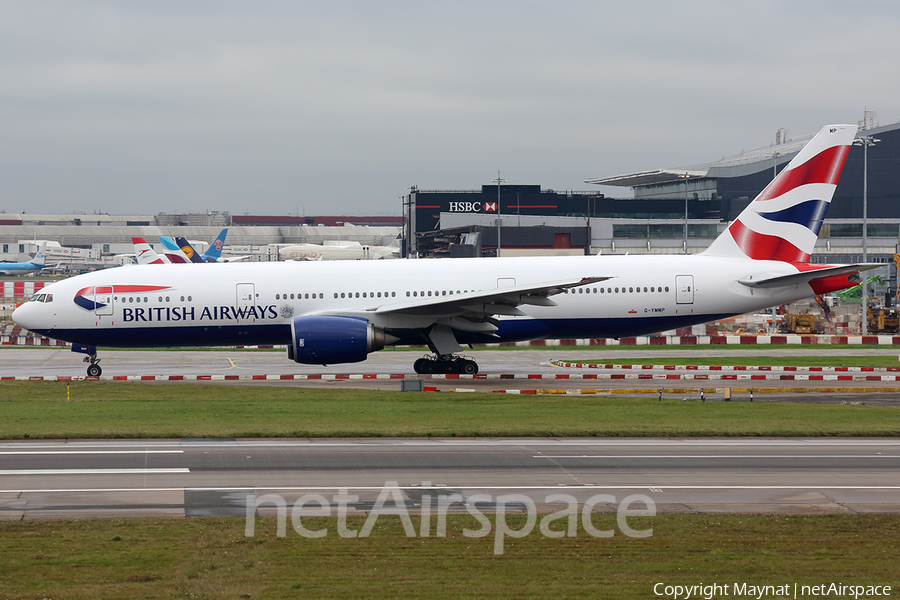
(854, 293)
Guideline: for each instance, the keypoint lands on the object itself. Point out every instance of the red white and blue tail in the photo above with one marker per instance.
(783, 222)
(144, 254)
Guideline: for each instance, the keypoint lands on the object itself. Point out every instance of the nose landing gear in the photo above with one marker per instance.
(93, 369)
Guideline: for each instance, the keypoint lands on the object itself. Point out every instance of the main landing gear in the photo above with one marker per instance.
(442, 341)
(447, 365)
(93, 369)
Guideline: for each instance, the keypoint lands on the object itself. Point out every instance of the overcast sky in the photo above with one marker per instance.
(334, 107)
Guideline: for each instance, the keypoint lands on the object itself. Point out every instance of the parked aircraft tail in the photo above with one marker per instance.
(188, 250)
(146, 255)
(214, 251)
(784, 220)
(40, 259)
(171, 250)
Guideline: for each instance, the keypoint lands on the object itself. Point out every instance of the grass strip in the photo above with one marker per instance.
(133, 410)
(211, 558)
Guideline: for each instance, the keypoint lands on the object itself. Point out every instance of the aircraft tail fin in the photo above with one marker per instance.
(185, 246)
(40, 259)
(783, 222)
(213, 253)
(146, 255)
(171, 250)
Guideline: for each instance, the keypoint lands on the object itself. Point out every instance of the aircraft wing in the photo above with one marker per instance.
(470, 311)
(497, 301)
(806, 276)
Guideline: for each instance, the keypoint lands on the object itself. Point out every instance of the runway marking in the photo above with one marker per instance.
(435, 443)
(718, 456)
(93, 452)
(93, 471)
(379, 488)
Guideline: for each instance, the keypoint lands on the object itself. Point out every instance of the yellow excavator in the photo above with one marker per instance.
(885, 319)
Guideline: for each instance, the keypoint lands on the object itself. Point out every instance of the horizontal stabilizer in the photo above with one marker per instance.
(807, 276)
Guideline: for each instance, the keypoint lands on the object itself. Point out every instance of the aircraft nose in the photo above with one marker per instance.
(25, 317)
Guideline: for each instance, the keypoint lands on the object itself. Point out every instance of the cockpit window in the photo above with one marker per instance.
(41, 298)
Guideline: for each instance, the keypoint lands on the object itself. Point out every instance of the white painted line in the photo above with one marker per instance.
(718, 456)
(628, 486)
(93, 452)
(437, 442)
(92, 471)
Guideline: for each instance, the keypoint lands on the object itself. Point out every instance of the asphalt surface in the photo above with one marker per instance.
(111, 479)
(512, 370)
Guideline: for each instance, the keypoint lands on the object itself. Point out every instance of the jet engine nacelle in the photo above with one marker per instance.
(322, 340)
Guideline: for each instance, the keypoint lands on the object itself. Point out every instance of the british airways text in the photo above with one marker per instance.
(189, 313)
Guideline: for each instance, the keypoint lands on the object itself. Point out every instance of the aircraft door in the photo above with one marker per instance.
(506, 282)
(684, 289)
(103, 300)
(246, 298)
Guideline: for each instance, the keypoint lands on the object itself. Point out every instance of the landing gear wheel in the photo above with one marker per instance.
(94, 370)
(426, 366)
(468, 367)
(447, 366)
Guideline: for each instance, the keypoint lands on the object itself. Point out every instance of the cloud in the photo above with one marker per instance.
(338, 106)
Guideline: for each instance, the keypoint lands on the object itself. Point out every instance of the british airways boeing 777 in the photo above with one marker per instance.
(339, 312)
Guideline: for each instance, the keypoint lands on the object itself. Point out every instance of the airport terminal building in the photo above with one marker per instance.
(653, 220)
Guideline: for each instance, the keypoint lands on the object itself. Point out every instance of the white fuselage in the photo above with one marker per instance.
(227, 304)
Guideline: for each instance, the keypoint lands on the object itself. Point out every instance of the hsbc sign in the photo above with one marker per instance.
(473, 207)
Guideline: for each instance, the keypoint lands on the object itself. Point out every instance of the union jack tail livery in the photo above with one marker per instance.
(783, 222)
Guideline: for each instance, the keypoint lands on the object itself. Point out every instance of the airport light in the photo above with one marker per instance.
(686, 176)
(865, 141)
(408, 226)
(498, 221)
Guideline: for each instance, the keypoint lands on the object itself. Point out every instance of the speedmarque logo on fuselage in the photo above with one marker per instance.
(87, 298)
